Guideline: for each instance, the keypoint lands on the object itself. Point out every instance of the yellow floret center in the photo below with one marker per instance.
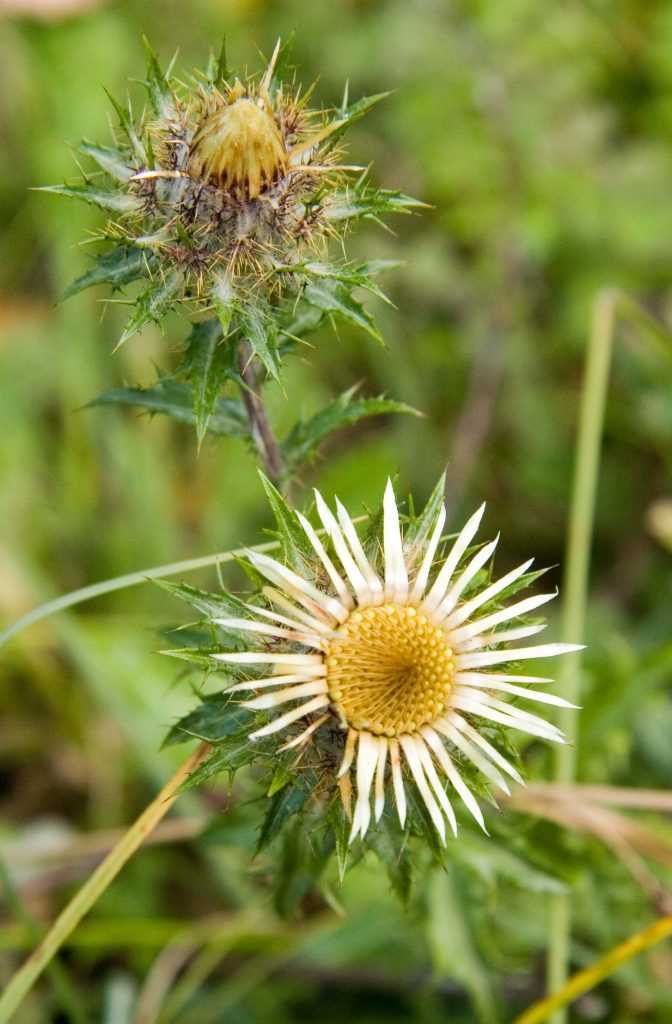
(239, 147)
(390, 670)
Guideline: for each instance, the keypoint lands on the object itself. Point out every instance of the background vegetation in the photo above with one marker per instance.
(542, 136)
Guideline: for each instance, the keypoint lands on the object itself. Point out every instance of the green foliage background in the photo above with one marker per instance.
(542, 137)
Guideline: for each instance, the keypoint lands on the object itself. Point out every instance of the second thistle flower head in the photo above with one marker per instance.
(384, 661)
(224, 197)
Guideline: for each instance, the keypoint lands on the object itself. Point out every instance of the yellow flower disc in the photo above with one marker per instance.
(390, 670)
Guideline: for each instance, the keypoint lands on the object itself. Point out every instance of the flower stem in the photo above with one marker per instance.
(23, 980)
(609, 305)
(260, 426)
(591, 976)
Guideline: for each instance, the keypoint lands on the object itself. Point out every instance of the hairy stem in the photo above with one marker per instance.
(609, 305)
(260, 426)
(21, 983)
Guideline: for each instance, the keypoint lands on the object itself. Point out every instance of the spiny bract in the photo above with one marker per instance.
(225, 196)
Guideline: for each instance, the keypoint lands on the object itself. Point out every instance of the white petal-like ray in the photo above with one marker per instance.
(488, 622)
(418, 773)
(501, 636)
(379, 784)
(269, 681)
(332, 572)
(435, 781)
(512, 710)
(250, 626)
(367, 758)
(462, 542)
(466, 610)
(357, 581)
(420, 582)
(398, 781)
(481, 680)
(312, 662)
(473, 754)
(301, 590)
(352, 537)
(271, 700)
(474, 566)
(477, 707)
(304, 736)
(396, 574)
(505, 677)
(279, 600)
(480, 741)
(456, 780)
(479, 660)
(290, 716)
(506, 636)
(348, 753)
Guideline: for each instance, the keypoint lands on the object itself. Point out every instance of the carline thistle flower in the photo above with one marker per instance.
(400, 644)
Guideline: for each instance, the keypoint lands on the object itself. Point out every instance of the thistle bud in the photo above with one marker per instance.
(239, 148)
(223, 200)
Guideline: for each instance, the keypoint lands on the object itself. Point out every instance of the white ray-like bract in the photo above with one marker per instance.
(394, 648)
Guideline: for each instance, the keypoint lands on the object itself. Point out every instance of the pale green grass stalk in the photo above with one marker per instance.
(132, 579)
(610, 307)
(24, 979)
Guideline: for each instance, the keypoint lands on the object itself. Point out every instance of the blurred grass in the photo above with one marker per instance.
(542, 137)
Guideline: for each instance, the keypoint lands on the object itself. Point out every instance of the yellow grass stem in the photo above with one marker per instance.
(583, 981)
(24, 979)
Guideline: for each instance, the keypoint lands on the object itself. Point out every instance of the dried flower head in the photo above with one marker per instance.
(384, 659)
(224, 199)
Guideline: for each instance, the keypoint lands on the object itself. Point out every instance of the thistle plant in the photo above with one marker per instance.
(229, 201)
(367, 687)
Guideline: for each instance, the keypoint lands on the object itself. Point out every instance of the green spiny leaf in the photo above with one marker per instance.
(160, 93)
(363, 200)
(229, 756)
(284, 804)
(218, 70)
(419, 530)
(113, 161)
(260, 328)
(214, 606)
(201, 656)
(305, 437)
(152, 305)
(340, 827)
(173, 399)
(391, 846)
(117, 268)
(206, 365)
(336, 299)
(216, 719)
(104, 199)
(348, 115)
(296, 546)
(126, 122)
